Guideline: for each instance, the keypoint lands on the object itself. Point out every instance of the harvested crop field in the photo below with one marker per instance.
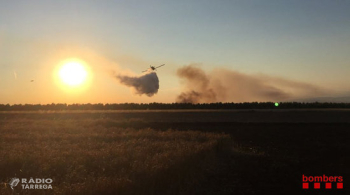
(173, 152)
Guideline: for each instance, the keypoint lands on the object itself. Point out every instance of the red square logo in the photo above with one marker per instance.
(305, 185)
(328, 185)
(317, 185)
(340, 185)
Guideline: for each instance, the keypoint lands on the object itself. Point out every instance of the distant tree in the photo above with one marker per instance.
(157, 106)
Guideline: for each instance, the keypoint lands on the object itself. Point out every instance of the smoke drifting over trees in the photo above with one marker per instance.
(222, 85)
(147, 84)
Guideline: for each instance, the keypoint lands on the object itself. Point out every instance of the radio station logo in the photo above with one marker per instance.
(37, 183)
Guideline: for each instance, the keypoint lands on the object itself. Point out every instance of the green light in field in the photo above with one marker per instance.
(277, 104)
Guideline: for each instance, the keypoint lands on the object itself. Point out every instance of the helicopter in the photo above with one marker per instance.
(153, 68)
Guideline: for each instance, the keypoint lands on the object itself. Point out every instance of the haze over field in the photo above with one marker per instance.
(241, 51)
(223, 85)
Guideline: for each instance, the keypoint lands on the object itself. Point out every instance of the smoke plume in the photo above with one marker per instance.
(222, 85)
(147, 84)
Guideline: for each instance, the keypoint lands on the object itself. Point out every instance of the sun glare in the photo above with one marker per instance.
(73, 73)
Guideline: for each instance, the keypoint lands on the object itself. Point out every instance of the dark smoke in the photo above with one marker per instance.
(198, 85)
(222, 85)
(147, 84)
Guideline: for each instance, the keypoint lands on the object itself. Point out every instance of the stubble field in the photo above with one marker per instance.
(173, 152)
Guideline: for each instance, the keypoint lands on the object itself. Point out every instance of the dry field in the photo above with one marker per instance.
(172, 152)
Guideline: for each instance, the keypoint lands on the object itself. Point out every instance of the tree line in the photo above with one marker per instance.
(160, 106)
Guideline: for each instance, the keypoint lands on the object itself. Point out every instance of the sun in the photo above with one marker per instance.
(73, 73)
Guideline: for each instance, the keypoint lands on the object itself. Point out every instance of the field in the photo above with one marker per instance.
(174, 152)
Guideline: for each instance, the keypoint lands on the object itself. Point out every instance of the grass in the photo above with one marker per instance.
(190, 152)
(84, 157)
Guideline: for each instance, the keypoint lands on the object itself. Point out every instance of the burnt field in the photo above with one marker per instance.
(174, 152)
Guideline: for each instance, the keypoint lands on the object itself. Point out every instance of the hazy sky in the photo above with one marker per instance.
(303, 41)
